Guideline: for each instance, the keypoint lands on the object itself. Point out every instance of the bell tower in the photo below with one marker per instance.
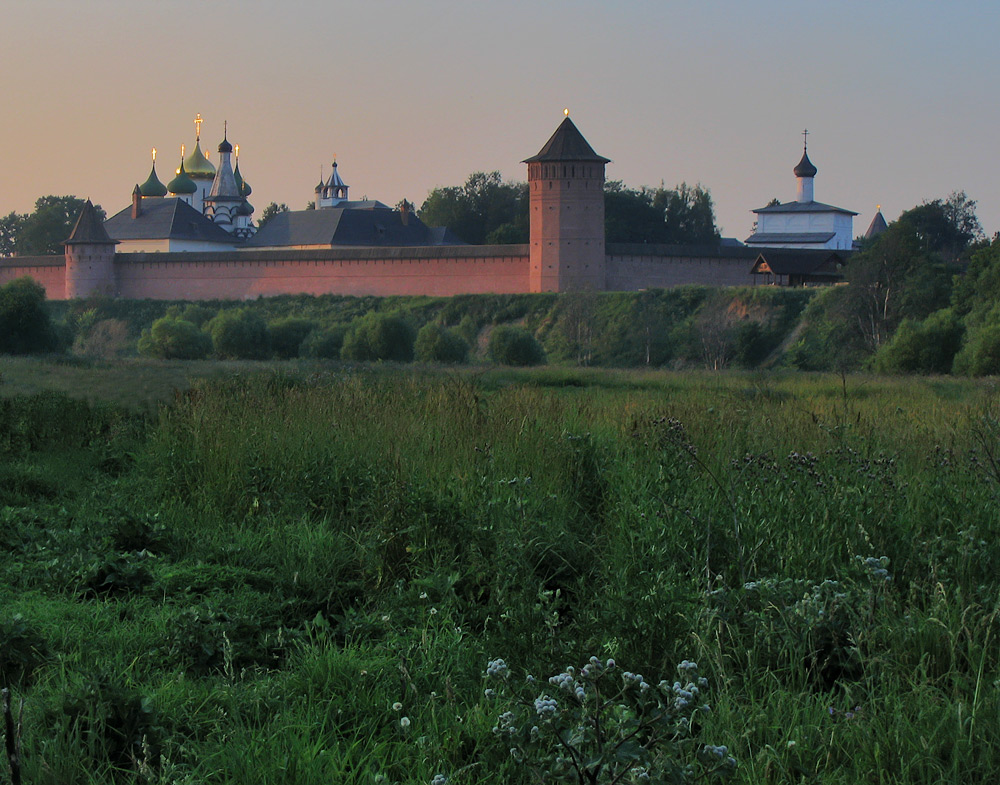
(566, 220)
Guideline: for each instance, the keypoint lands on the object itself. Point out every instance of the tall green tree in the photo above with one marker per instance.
(270, 211)
(42, 232)
(25, 327)
(486, 209)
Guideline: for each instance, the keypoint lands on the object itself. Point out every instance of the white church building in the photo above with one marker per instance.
(804, 223)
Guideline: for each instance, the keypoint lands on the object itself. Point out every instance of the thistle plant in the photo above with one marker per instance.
(598, 725)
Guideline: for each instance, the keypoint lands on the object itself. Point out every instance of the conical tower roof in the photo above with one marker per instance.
(567, 144)
(877, 226)
(335, 180)
(89, 228)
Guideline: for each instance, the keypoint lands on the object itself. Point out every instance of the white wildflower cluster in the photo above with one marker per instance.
(497, 669)
(546, 707)
(439, 779)
(506, 723)
(876, 567)
(686, 696)
(720, 754)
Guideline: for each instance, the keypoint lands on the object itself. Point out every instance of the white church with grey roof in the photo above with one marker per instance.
(805, 223)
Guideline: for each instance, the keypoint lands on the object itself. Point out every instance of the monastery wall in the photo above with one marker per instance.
(437, 271)
(631, 267)
(49, 271)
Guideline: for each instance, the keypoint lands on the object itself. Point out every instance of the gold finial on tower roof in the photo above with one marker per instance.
(154, 155)
(197, 126)
(566, 111)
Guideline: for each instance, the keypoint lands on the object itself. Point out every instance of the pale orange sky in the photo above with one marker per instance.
(898, 96)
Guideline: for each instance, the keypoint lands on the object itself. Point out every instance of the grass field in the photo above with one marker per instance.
(299, 573)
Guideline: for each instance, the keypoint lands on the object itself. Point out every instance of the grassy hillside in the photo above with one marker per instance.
(301, 577)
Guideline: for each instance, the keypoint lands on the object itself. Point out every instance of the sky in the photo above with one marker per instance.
(899, 96)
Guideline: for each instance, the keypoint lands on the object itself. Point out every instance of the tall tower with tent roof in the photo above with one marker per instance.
(566, 214)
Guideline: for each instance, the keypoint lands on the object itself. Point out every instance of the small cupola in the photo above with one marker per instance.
(153, 187)
(804, 174)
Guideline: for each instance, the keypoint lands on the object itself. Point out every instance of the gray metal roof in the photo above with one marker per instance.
(348, 226)
(567, 144)
(89, 228)
(168, 218)
(877, 226)
(770, 238)
(803, 207)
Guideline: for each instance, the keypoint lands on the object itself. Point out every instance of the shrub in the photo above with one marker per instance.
(436, 344)
(172, 338)
(324, 343)
(379, 336)
(240, 334)
(288, 334)
(515, 346)
(980, 356)
(25, 327)
(929, 346)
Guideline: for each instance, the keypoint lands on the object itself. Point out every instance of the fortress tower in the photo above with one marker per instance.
(90, 257)
(566, 204)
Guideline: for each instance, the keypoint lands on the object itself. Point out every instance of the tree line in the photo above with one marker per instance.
(486, 209)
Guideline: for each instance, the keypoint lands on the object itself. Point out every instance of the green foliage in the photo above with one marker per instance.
(239, 333)
(436, 344)
(42, 232)
(929, 346)
(25, 327)
(325, 343)
(173, 338)
(287, 335)
(24, 650)
(603, 726)
(680, 215)
(980, 355)
(515, 346)
(379, 336)
(483, 210)
(272, 210)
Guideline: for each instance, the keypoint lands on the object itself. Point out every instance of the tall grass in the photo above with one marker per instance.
(254, 578)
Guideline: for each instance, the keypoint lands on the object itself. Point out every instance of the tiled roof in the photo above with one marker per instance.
(770, 238)
(163, 219)
(803, 207)
(347, 226)
(89, 228)
(567, 144)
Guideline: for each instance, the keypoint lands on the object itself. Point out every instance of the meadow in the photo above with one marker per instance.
(300, 573)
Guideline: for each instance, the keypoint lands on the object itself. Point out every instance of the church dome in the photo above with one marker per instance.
(197, 166)
(244, 187)
(182, 184)
(805, 167)
(153, 186)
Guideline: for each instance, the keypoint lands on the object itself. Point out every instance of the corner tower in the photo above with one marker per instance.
(90, 257)
(566, 209)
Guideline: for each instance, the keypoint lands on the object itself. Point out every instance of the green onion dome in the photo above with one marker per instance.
(197, 166)
(242, 185)
(182, 184)
(153, 186)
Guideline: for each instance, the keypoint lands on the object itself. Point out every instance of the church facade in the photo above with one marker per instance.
(194, 239)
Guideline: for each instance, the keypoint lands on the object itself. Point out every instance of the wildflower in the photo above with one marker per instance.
(397, 706)
(790, 744)
(545, 707)
(385, 618)
(489, 693)
(439, 779)
(434, 611)
(423, 595)
(497, 669)
(404, 722)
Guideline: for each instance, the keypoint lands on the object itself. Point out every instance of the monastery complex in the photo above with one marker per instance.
(195, 239)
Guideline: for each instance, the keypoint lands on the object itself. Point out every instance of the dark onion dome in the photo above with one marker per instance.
(224, 146)
(805, 167)
(182, 184)
(244, 208)
(153, 186)
(243, 186)
(197, 166)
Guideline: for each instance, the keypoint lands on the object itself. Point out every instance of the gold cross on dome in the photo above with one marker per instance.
(197, 126)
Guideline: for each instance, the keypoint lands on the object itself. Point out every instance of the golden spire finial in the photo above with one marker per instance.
(182, 151)
(197, 126)
(237, 150)
(878, 208)
(154, 155)
(566, 111)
